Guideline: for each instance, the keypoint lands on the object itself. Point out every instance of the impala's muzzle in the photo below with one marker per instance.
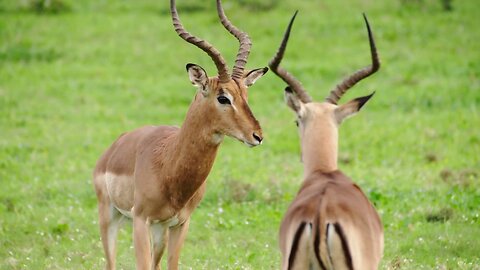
(255, 139)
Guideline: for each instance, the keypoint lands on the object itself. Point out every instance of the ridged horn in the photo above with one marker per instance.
(274, 65)
(217, 58)
(359, 75)
(243, 39)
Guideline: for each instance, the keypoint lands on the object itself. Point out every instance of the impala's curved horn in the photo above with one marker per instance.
(274, 65)
(217, 58)
(243, 39)
(359, 75)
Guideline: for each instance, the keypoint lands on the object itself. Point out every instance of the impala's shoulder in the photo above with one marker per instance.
(319, 182)
(335, 176)
(155, 136)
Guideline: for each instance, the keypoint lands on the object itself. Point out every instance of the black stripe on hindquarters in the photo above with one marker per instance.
(316, 243)
(296, 239)
(346, 250)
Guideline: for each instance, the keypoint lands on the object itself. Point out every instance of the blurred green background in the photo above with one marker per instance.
(76, 74)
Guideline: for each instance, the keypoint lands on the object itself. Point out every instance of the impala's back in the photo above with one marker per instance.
(330, 223)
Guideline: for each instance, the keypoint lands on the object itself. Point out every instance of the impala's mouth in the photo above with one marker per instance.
(251, 144)
(250, 141)
(257, 140)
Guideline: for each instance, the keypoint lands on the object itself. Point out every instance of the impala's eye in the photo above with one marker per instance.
(296, 123)
(223, 100)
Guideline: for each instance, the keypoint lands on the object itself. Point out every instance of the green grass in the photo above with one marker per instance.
(71, 81)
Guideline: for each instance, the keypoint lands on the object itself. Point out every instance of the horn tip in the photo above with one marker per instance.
(364, 16)
(294, 16)
(366, 20)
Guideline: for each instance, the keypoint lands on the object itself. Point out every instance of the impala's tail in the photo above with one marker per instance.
(330, 245)
(322, 264)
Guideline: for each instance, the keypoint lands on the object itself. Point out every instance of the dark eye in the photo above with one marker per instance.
(223, 100)
(296, 123)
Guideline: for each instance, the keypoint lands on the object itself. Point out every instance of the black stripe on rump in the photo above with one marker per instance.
(346, 250)
(296, 239)
(316, 243)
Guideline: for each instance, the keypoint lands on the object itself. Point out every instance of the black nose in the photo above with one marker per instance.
(258, 138)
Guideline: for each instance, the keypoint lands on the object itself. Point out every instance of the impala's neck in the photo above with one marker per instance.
(320, 148)
(198, 129)
(194, 150)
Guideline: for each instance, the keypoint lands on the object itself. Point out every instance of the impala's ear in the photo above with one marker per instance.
(351, 108)
(198, 77)
(294, 102)
(252, 76)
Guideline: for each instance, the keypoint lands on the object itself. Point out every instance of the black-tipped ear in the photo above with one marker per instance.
(264, 70)
(293, 101)
(254, 75)
(351, 108)
(362, 100)
(198, 77)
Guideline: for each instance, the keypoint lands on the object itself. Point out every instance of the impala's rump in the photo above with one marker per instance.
(339, 217)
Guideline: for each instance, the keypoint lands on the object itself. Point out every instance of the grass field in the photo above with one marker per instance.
(72, 81)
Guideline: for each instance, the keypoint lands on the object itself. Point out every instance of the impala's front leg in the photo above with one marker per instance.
(176, 238)
(141, 241)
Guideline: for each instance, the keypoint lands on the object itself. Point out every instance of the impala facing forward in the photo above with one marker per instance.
(156, 174)
(330, 224)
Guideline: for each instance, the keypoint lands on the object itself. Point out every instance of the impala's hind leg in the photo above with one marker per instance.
(110, 220)
(159, 238)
